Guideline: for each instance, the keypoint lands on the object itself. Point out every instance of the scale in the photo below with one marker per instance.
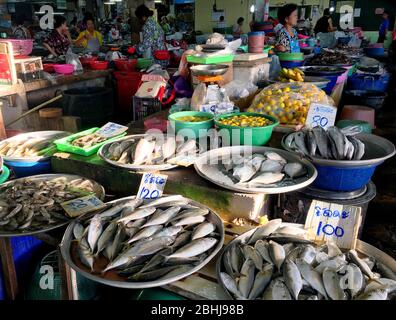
(209, 73)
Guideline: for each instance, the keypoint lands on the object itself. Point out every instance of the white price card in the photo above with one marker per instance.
(111, 129)
(183, 160)
(321, 115)
(79, 206)
(152, 186)
(330, 221)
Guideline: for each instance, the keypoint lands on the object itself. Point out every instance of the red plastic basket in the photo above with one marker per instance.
(127, 84)
(86, 61)
(125, 64)
(49, 67)
(99, 65)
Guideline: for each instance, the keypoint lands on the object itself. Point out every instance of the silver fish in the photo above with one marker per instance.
(236, 258)
(388, 273)
(256, 161)
(311, 276)
(271, 166)
(295, 170)
(263, 278)
(262, 248)
(277, 253)
(292, 277)
(246, 279)
(152, 275)
(162, 217)
(311, 143)
(277, 290)
(333, 264)
(168, 232)
(353, 278)
(275, 157)
(377, 294)
(321, 141)
(331, 282)
(252, 254)
(169, 148)
(189, 221)
(194, 248)
(383, 283)
(299, 139)
(143, 150)
(359, 148)
(138, 214)
(177, 272)
(78, 231)
(230, 284)
(162, 201)
(338, 137)
(360, 263)
(94, 231)
(228, 264)
(187, 147)
(333, 250)
(190, 213)
(145, 233)
(117, 243)
(244, 173)
(182, 239)
(181, 261)
(266, 178)
(202, 230)
(85, 254)
(106, 237)
(156, 260)
(265, 230)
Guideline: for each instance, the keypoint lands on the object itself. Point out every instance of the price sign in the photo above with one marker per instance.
(321, 115)
(152, 186)
(111, 129)
(183, 160)
(336, 222)
(79, 206)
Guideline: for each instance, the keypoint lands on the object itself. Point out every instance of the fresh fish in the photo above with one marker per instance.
(277, 253)
(333, 250)
(271, 166)
(378, 294)
(143, 150)
(256, 161)
(110, 212)
(321, 141)
(168, 232)
(263, 278)
(106, 237)
(152, 275)
(370, 261)
(262, 248)
(311, 276)
(289, 230)
(359, 148)
(383, 283)
(349, 150)
(321, 257)
(190, 213)
(265, 230)
(333, 264)
(292, 277)
(117, 243)
(78, 231)
(182, 239)
(295, 170)
(182, 261)
(187, 147)
(250, 253)
(337, 136)
(244, 173)
(169, 148)
(94, 231)
(162, 217)
(247, 278)
(228, 264)
(311, 143)
(145, 233)
(275, 157)
(85, 254)
(360, 263)
(203, 230)
(136, 223)
(266, 178)
(194, 248)
(353, 278)
(131, 270)
(162, 201)
(388, 273)
(299, 139)
(138, 214)
(177, 272)
(236, 258)
(331, 281)
(189, 221)
(277, 290)
(230, 284)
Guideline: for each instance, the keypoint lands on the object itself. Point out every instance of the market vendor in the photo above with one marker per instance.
(237, 28)
(324, 31)
(153, 39)
(384, 27)
(59, 41)
(90, 39)
(20, 31)
(287, 40)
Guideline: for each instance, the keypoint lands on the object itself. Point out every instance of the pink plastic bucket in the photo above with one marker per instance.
(256, 41)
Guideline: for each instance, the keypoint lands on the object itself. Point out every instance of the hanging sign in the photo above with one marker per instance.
(111, 129)
(321, 115)
(79, 206)
(152, 186)
(330, 221)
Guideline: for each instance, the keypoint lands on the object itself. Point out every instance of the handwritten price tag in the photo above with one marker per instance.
(79, 206)
(330, 221)
(321, 115)
(111, 129)
(152, 186)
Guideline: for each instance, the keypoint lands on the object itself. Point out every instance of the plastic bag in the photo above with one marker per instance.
(289, 102)
(237, 89)
(72, 58)
(198, 97)
(275, 67)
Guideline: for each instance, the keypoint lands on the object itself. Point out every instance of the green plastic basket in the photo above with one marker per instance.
(210, 60)
(144, 63)
(5, 174)
(294, 56)
(260, 135)
(65, 145)
(197, 129)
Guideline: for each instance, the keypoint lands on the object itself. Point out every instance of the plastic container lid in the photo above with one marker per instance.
(256, 33)
(364, 125)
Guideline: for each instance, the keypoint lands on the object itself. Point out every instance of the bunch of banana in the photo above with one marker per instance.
(291, 75)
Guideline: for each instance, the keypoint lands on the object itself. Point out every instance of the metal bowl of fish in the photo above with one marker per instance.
(137, 244)
(30, 147)
(250, 169)
(276, 262)
(32, 205)
(144, 152)
(339, 147)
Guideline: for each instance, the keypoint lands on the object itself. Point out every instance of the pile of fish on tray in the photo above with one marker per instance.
(149, 150)
(28, 146)
(145, 242)
(278, 263)
(28, 204)
(88, 140)
(261, 169)
(333, 144)
(330, 57)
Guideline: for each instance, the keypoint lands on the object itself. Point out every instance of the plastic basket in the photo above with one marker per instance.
(65, 145)
(143, 107)
(143, 63)
(210, 60)
(21, 47)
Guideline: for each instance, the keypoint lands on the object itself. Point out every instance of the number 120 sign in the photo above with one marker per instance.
(152, 186)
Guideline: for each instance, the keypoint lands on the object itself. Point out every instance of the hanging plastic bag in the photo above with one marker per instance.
(72, 58)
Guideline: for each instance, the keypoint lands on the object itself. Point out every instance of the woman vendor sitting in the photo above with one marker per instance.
(287, 40)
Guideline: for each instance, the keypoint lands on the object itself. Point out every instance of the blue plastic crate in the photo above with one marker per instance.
(25, 169)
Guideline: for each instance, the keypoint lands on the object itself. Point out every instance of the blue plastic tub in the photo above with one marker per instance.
(375, 52)
(25, 169)
(343, 179)
(330, 86)
(368, 81)
(291, 64)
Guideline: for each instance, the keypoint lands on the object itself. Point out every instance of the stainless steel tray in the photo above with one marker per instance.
(377, 150)
(361, 247)
(98, 189)
(36, 134)
(213, 174)
(209, 70)
(65, 247)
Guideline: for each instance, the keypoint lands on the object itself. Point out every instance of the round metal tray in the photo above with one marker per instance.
(361, 247)
(378, 149)
(209, 70)
(213, 174)
(65, 248)
(98, 189)
(161, 167)
(37, 134)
